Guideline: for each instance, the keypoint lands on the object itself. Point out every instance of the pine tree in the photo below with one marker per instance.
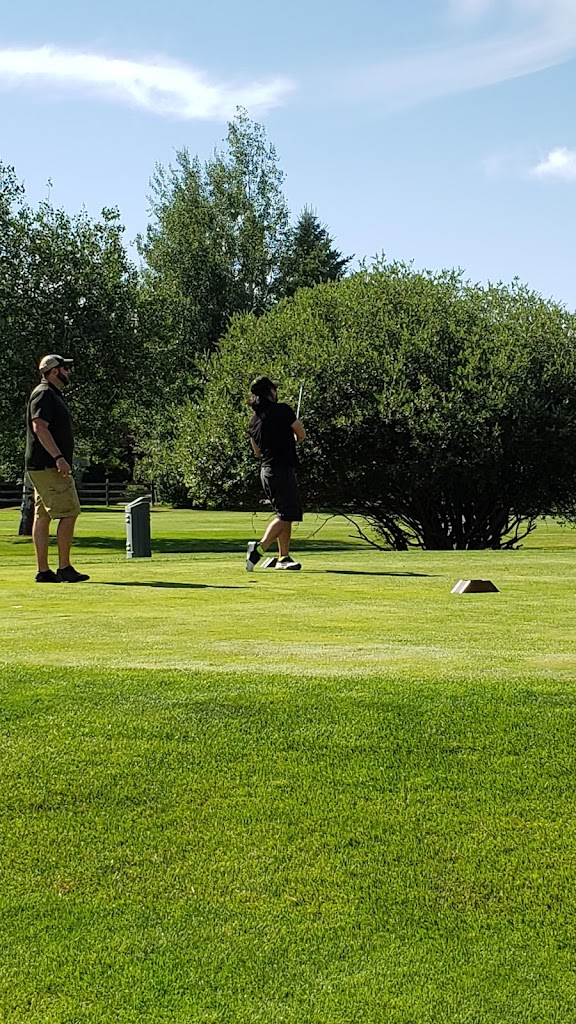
(311, 257)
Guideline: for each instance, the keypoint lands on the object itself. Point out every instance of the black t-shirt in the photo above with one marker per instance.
(46, 403)
(271, 428)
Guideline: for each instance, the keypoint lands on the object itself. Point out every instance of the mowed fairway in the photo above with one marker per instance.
(339, 795)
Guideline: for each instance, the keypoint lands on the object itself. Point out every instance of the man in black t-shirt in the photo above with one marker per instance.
(49, 454)
(274, 431)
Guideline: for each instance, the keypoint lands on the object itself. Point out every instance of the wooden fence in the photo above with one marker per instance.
(110, 492)
(10, 494)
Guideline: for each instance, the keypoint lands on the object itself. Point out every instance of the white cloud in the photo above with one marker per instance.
(159, 86)
(546, 36)
(559, 165)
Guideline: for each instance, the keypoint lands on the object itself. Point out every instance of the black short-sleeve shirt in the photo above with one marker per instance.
(271, 429)
(46, 403)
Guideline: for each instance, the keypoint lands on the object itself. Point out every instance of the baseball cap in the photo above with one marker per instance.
(262, 385)
(49, 362)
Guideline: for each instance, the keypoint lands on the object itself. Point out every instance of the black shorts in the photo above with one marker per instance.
(281, 488)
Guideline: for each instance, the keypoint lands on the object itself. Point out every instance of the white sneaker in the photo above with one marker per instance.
(287, 563)
(252, 556)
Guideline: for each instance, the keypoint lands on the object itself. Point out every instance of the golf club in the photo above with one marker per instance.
(299, 403)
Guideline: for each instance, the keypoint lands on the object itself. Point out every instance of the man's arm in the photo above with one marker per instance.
(299, 432)
(42, 430)
(255, 448)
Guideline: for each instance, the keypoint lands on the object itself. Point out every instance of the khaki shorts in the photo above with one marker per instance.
(55, 495)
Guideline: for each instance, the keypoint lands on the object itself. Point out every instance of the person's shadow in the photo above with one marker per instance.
(368, 572)
(166, 585)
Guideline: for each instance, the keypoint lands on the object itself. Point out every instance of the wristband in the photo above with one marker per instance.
(58, 457)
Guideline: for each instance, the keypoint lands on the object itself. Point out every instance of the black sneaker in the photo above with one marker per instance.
(71, 575)
(252, 556)
(287, 563)
(269, 563)
(47, 577)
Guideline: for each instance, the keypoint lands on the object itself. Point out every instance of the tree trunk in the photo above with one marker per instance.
(26, 508)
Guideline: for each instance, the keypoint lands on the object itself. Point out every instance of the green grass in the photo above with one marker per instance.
(339, 795)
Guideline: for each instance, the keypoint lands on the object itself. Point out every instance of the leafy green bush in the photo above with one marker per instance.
(444, 412)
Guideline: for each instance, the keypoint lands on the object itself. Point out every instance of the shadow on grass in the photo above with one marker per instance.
(168, 585)
(155, 510)
(102, 509)
(362, 572)
(207, 545)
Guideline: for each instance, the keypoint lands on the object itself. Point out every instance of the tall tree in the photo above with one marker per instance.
(212, 249)
(311, 257)
(66, 285)
(214, 246)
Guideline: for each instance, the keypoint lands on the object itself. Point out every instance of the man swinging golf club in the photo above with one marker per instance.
(274, 431)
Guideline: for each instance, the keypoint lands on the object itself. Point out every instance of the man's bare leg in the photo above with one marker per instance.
(272, 532)
(284, 540)
(41, 538)
(64, 536)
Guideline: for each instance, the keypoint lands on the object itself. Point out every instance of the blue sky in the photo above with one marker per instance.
(438, 131)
